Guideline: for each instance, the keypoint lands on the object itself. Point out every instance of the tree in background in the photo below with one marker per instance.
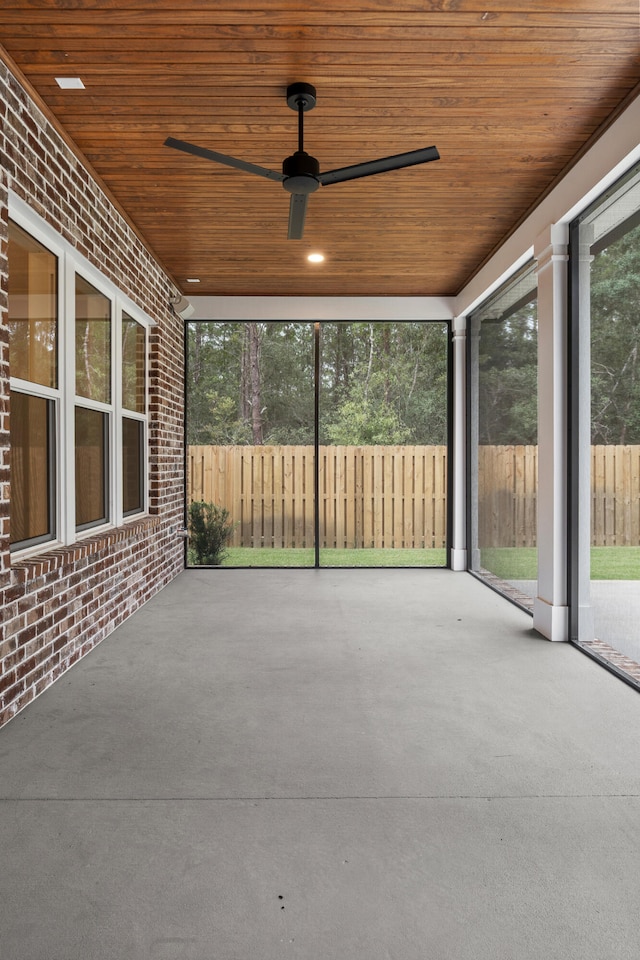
(288, 388)
(395, 390)
(365, 418)
(508, 378)
(214, 405)
(254, 383)
(251, 380)
(615, 342)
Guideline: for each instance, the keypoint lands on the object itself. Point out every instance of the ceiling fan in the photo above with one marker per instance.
(301, 172)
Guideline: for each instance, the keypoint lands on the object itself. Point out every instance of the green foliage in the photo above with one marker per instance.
(361, 420)
(287, 371)
(219, 422)
(615, 341)
(397, 372)
(214, 415)
(508, 379)
(210, 529)
(384, 383)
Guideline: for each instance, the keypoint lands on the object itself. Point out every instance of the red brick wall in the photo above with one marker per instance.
(58, 605)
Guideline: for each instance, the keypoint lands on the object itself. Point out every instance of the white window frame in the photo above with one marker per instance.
(71, 263)
(142, 418)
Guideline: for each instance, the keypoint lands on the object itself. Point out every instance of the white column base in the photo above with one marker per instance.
(458, 558)
(551, 621)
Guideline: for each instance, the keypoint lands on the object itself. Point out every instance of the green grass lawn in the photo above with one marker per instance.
(520, 563)
(248, 557)
(508, 563)
(383, 558)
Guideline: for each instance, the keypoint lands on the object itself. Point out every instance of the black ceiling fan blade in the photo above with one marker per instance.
(297, 214)
(371, 167)
(223, 158)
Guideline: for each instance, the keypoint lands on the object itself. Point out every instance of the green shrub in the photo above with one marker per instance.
(210, 529)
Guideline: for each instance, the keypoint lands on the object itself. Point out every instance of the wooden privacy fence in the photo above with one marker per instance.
(381, 496)
(615, 496)
(507, 496)
(396, 496)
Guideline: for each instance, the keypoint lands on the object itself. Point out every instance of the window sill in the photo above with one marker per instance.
(56, 556)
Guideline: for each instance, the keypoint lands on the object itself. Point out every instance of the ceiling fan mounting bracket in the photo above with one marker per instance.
(301, 95)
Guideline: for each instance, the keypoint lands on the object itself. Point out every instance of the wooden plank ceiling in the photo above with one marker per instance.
(510, 91)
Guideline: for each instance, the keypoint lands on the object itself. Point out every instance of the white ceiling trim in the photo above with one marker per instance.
(322, 308)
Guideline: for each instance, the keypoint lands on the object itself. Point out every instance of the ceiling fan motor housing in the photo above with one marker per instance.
(300, 172)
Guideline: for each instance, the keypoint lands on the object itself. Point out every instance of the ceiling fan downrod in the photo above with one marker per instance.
(300, 170)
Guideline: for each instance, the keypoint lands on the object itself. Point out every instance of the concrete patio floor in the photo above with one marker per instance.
(324, 765)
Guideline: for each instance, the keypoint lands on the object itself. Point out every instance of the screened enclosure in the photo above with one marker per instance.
(322, 444)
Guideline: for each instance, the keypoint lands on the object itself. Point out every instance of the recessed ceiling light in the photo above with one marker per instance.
(193, 279)
(315, 257)
(70, 83)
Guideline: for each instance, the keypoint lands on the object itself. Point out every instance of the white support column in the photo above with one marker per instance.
(550, 609)
(459, 447)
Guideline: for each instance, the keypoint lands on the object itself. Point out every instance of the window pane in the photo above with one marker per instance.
(93, 343)
(31, 468)
(91, 466)
(504, 449)
(381, 467)
(133, 365)
(606, 522)
(250, 421)
(615, 441)
(33, 309)
(132, 492)
(382, 464)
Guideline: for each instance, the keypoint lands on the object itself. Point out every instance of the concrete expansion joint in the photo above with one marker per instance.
(364, 798)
